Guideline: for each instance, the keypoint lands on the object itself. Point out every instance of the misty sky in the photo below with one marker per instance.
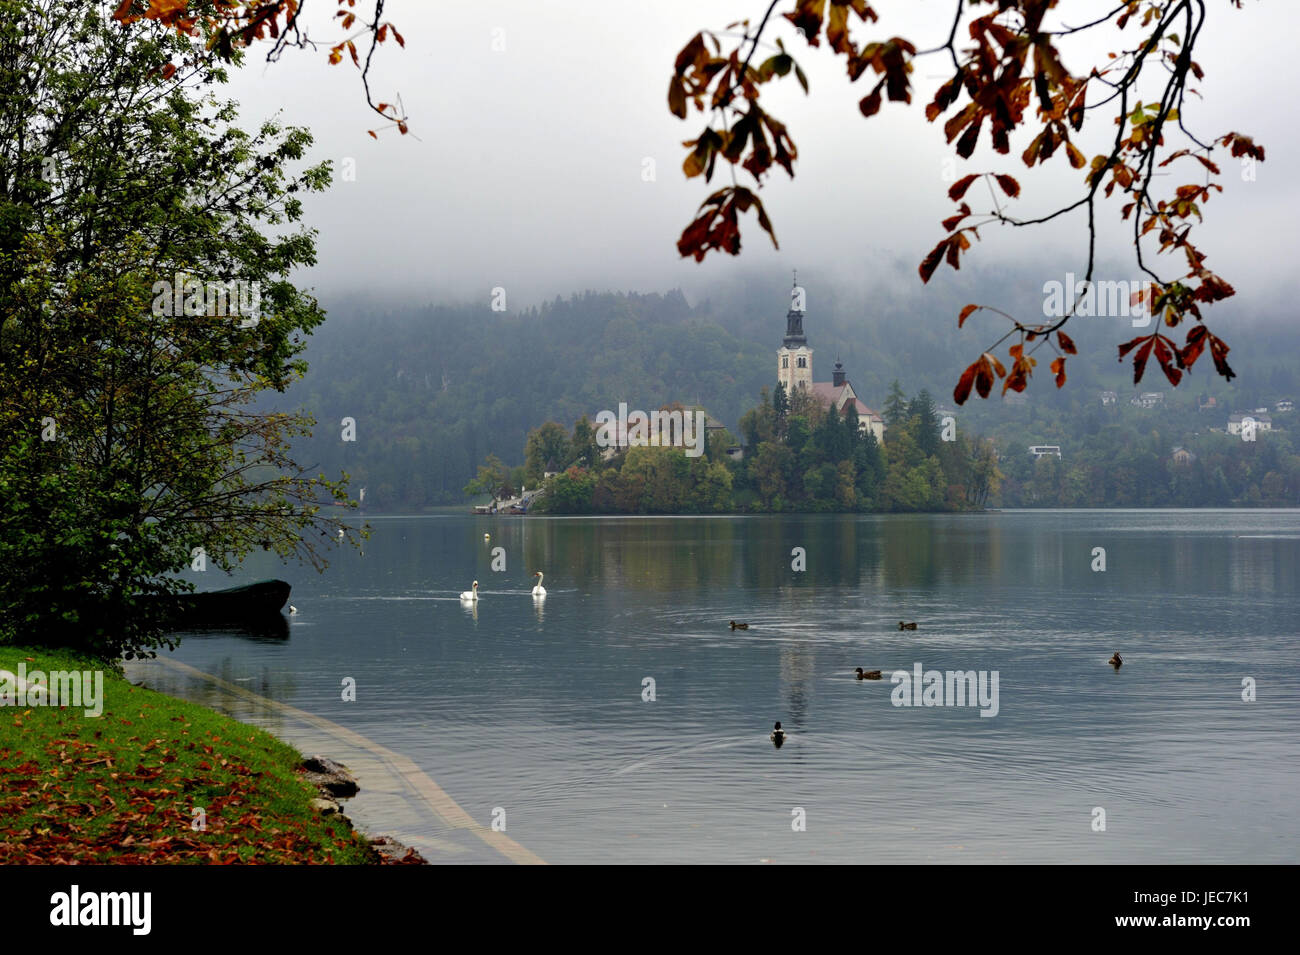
(527, 169)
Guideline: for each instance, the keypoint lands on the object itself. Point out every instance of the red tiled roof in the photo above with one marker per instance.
(830, 393)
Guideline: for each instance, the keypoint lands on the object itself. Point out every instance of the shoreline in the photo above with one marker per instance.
(101, 771)
(399, 799)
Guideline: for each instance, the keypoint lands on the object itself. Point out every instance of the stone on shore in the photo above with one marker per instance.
(331, 777)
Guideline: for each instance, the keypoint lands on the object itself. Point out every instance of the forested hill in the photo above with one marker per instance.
(434, 390)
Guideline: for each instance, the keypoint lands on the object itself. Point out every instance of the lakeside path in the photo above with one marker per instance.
(397, 798)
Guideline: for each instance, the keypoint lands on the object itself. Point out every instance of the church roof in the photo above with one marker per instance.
(832, 394)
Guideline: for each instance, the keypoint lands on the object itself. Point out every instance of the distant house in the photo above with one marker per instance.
(1262, 422)
(1283, 406)
(1043, 450)
(551, 469)
(1205, 402)
(1181, 456)
(1148, 399)
(1109, 398)
(736, 452)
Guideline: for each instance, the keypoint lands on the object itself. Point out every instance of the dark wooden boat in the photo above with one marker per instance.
(249, 603)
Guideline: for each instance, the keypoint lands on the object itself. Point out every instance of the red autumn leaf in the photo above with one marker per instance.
(966, 143)
(1219, 352)
(1009, 185)
(984, 377)
(1066, 343)
(931, 261)
(965, 314)
(1140, 359)
(962, 391)
(958, 188)
(1168, 359)
(870, 104)
(957, 243)
(1242, 146)
(1195, 345)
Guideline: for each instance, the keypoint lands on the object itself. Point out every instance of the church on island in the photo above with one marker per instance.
(794, 370)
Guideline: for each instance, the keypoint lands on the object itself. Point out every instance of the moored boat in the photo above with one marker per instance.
(250, 602)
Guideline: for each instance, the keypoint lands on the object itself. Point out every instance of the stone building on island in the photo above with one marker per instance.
(794, 371)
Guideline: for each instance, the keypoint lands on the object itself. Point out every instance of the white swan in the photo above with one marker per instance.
(539, 590)
(471, 594)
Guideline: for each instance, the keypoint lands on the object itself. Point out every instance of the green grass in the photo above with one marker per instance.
(122, 787)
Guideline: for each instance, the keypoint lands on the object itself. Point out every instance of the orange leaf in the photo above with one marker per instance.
(1058, 369)
(965, 314)
(1067, 345)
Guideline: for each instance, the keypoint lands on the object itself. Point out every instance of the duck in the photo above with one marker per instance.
(777, 735)
(740, 626)
(868, 675)
(292, 610)
(539, 590)
(471, 594)
(906, 626)
(487, 537)
(1116, 661)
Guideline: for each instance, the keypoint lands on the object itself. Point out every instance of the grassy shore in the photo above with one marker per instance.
(124, 787)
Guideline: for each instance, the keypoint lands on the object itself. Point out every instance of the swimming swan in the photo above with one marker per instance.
(471, 594)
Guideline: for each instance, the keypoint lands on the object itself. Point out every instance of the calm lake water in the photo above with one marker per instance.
(538, 710)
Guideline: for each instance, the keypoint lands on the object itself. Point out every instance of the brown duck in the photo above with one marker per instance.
(906, 626)
(1116, 661)
(868, 674)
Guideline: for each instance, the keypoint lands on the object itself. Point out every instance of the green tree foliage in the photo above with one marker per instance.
(131, 444)
(820, 461)
(493, 479)
(547, 449)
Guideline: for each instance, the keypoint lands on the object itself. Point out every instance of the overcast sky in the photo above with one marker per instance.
(527, 172)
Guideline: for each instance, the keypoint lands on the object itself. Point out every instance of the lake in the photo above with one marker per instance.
(537, 716)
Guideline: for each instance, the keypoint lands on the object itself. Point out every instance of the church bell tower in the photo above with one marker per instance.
(794, 357)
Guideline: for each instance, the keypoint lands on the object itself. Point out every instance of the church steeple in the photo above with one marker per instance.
(794, 318)
(794, 357)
